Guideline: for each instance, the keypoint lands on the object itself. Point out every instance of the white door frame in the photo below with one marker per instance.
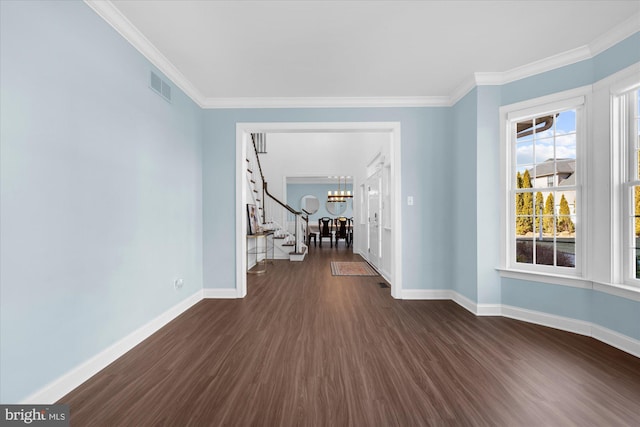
(243, 132)
(376, 260)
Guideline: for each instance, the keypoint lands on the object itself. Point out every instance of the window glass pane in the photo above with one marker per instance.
(524, 154)
(565, 253)
(544, 252)
(548, 215)
(527, 135)
(524, 251)
(524, 214)
(544, 126)
(636, 211)
(545, 227)
(566, 146)
(635, 238)
(545, 221)
(539, 199)
(545, 150)
(566, 122)
(524, 131)
(523, 176)
(566, 203)
(543, 174)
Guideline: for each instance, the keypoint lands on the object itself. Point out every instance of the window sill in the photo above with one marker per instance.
(619, 290)
(549, 278)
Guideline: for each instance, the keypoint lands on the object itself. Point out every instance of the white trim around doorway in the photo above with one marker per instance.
(243, 131)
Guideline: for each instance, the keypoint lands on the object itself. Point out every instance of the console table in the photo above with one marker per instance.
(261, 251)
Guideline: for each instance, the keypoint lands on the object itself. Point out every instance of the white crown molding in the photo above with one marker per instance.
(616, 35)
(327, 102)
(599, 45)
(547, 64)
(112, 15)
(462, 90)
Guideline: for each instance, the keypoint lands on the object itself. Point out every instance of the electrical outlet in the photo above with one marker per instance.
(410, 200)
(178, 284)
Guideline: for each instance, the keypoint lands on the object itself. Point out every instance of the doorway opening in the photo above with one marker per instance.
(393, 225)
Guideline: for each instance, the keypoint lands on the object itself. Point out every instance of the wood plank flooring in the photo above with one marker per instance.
(305, 348)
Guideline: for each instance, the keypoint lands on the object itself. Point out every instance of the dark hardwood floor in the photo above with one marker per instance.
(305, 348)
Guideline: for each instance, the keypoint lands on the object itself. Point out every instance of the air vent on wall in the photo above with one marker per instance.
(161, 87)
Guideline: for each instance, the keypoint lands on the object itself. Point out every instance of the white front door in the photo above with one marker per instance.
(374, 235)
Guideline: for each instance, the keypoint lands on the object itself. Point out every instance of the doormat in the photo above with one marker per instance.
(352, 269)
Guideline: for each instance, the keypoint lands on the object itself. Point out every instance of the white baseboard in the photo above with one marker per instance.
(614, 339)
(220, 293)
(427, 294)
(72, 379)
(489, 310)
(448, 294)
(465, 302)
(545, 319)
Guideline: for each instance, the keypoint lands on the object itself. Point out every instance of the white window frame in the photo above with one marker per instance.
(625, 126)
(511, 114)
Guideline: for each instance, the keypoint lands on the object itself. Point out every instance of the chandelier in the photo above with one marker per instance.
(341, 194)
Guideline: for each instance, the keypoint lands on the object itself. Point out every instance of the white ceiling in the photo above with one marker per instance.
(273, 49)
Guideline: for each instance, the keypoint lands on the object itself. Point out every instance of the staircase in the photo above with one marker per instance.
(289, 226)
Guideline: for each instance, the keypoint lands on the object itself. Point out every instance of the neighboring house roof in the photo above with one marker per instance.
(564, 168)
(571, 180)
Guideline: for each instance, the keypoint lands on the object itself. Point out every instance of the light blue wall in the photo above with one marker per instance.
(618, 314)
(564, 301)
(617, 57)
(475, 196)
(101, 197)
(476, 140)
(488, 200)
(108, 193)
(576, 75)
(295, 192)
(426, 148)
(464, 234)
